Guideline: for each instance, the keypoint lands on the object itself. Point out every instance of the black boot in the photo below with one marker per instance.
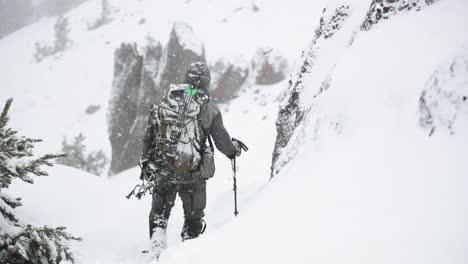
(156, 221)
(193, 228)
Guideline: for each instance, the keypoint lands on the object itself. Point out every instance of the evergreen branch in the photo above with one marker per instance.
(9, 216)
(22, 244)
(13, 203)
(33, 245)
(4, 116)
(34, 167)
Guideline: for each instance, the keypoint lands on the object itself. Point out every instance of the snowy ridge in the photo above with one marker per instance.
(316, 65)
(339, 28)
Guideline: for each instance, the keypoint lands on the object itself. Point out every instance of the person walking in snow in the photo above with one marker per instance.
(178, 153)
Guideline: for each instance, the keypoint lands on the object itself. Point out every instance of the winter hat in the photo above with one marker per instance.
(198, 76)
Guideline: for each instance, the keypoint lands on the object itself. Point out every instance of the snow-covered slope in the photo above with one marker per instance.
(114, 229)
(358, 179)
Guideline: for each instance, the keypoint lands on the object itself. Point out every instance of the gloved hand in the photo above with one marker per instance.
(148, 169)
(239, 147)
(143, 164)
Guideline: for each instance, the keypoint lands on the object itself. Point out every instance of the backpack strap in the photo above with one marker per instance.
(211, 142)
(206, 132)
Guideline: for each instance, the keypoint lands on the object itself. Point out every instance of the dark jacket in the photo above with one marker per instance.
(212, 122)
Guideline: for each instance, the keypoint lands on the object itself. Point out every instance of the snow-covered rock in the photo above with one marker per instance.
(149, 91)
(384, 9)
(227, 79)
(182, 49)
(444, 100)
(344, 23)
(141, 92)
(269, 66)
(292, 111)
(123, 107)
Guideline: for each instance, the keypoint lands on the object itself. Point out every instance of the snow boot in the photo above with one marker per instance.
(193, 228)
(158, 242)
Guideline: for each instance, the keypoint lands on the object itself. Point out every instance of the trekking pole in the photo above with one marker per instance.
(233, 163)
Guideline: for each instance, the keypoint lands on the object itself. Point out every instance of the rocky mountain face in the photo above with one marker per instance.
(123, 107)
(227, 78)
(292, 110)
(266, 67)
(300, 106)
(269, 67)
(384, 9)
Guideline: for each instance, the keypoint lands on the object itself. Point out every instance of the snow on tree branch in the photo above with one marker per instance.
(21, 243)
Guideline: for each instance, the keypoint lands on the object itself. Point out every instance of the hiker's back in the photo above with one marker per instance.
(181, 134)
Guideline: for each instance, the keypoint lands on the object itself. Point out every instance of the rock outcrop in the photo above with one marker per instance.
(442, 102)
(227, 79)
(384, 9)
(444, 99)
(182, 49)
(124, 105)
(292, 111)
(269, 66)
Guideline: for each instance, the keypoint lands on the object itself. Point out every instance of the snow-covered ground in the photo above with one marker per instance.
(365, 183)
(114, 229)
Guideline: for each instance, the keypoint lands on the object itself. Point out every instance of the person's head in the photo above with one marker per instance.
(198, 76)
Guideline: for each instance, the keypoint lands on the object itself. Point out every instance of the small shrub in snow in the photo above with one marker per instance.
(62, 32)
(42, 51)
(21, 243)
(76, 157)
(61, 42)
(105, 16)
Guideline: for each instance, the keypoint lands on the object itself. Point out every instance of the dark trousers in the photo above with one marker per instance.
(193, 196)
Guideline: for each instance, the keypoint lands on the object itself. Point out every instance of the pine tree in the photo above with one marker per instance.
(21, 243)
(93, 162)
(104, 18)
(105, 11)
(62, 31)
(61, 42)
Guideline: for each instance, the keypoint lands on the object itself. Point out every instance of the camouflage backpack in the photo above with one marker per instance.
(180, 146)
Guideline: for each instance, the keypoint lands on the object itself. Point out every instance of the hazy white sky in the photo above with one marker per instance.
(35, 2)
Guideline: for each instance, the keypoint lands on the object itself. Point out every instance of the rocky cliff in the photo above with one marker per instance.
(301, 115)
